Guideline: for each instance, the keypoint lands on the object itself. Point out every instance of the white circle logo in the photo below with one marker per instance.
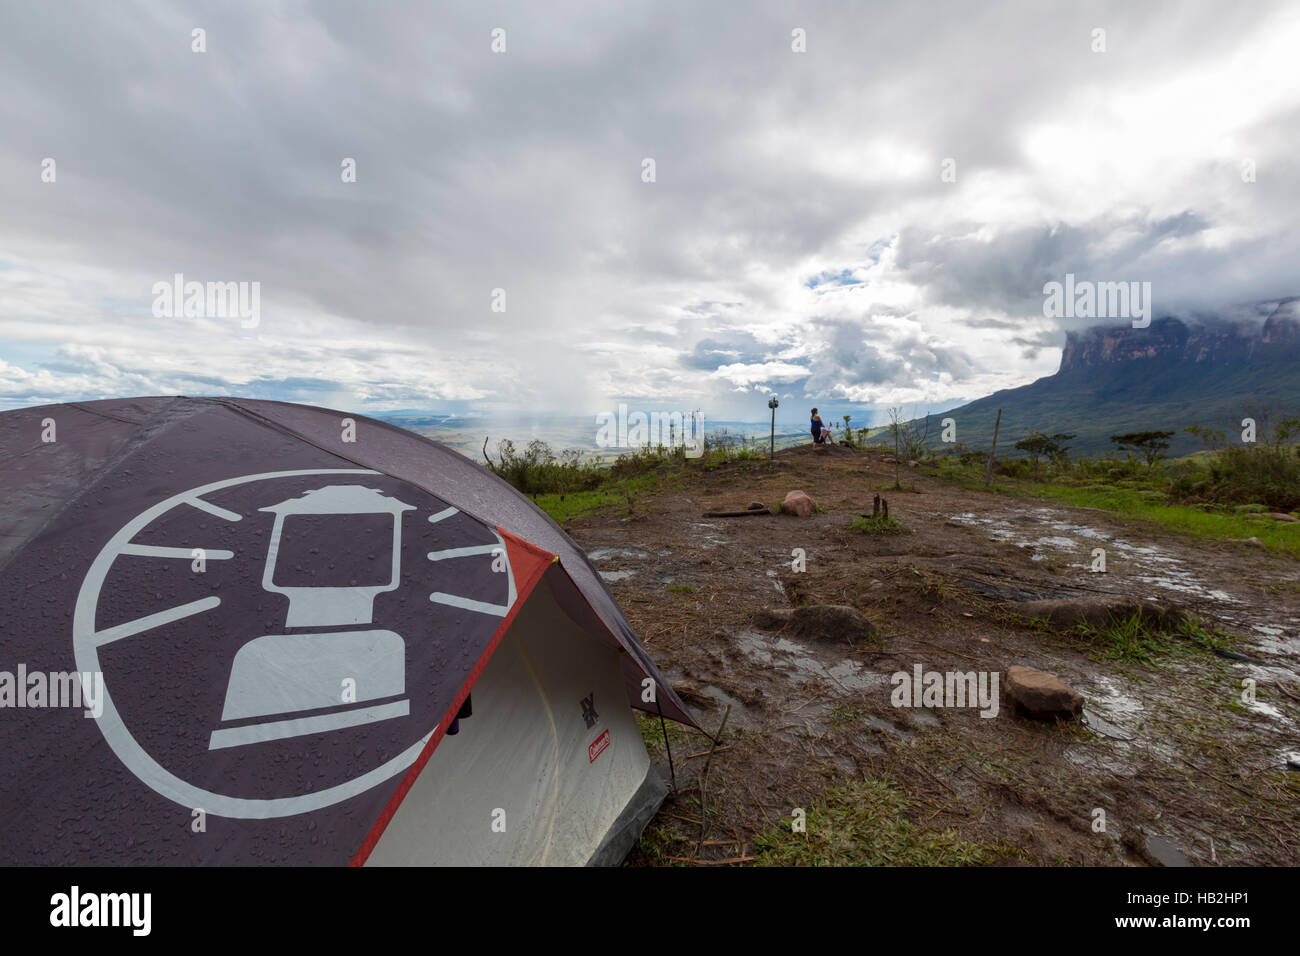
(260, 705)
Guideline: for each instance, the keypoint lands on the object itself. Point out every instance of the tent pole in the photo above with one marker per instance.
(664, 728)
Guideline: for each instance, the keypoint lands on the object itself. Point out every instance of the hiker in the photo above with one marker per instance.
(820, 433)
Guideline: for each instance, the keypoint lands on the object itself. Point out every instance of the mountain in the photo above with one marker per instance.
(1201, 370)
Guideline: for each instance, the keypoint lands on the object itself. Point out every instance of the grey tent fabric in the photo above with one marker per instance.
(101, 504)
(111, 428)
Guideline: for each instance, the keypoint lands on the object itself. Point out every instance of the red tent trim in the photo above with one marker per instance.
(528, 563)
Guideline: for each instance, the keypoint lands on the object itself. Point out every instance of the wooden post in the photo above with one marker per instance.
(988, 475)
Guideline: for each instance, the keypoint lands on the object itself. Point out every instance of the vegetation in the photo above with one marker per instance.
(1226, 491)
(1136, 640)
(1151, 445)
(1051, 447)
(865, 823)
(1261, 472)
(878, 524)
(571, 484)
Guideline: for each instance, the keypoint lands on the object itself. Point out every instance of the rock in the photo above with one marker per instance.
(889, 460)
(837, 623)
(1278, 516)
(755, 505)
(771, 618)
(1098, 611)
(798, 503)
(1253, 542)
(1041, 695)
(913, 464)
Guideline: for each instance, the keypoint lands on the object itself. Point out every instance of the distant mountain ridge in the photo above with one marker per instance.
(1201, 370)
(1216, 341)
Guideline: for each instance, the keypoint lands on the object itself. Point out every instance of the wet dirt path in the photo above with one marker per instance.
(807, 714)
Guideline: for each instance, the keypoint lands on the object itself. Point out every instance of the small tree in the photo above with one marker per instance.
(1150, 445)
(1037, 445)
(896, 427)
(1213, 438)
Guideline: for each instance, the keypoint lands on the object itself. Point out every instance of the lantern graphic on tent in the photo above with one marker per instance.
(353, 534)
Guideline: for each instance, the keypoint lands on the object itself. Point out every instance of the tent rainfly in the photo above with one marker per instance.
(240, 632)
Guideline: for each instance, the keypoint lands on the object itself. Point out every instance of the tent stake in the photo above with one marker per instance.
(704, 782)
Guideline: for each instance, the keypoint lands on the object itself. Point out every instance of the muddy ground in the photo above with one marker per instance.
(1183, 767)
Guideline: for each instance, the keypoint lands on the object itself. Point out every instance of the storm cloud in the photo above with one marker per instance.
(870, 221)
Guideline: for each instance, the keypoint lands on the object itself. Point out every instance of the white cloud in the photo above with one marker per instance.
(522, 172)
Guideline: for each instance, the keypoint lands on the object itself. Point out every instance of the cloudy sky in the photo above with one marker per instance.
(798, 236)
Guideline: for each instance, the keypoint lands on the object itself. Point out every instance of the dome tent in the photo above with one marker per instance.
(278, 613)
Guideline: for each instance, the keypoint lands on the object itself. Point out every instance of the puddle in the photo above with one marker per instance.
(879, 723)
(708, 540)
(1107, 701)
(739, 712)
(1166, 851)
(1105, 728)
(797, 660)
(604, 554)
(777, 581)
(1098, 759)
(1146, 563)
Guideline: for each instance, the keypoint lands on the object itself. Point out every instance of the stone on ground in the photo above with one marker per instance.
(837, 623)
(1041, 695)
(798, 503)
(1098, 611)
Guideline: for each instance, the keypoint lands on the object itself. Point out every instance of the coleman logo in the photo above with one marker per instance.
(589, 710)
(332, 547)
(597, 747)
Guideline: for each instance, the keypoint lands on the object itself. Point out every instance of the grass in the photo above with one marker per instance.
(1135, 640)
(562, 508)
(1276, 536)
(679, 589)
(624, 492)
(864, 823)
(843, 718)
(878, 525)
(679, 735)
(1141, 500)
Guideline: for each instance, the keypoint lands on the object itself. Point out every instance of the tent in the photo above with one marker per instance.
(243, 632)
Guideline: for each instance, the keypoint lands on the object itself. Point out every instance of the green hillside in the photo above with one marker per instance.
(1137, 395)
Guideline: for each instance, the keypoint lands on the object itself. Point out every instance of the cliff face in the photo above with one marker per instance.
(1232, 340)
(1207, 370)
